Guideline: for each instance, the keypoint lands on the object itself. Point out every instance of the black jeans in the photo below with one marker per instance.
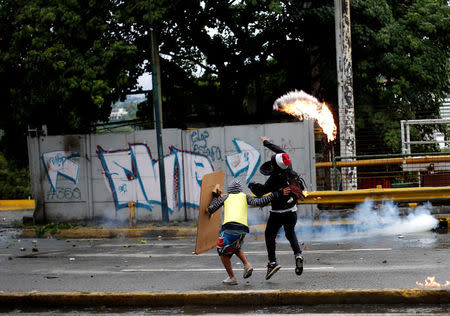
(274, 223)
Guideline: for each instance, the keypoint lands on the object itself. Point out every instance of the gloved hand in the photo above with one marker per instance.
(216, 191)
(256, 188)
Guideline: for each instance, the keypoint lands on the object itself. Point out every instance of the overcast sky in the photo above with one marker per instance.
(145, 81)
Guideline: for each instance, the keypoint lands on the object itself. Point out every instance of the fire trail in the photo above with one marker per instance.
(305, 106)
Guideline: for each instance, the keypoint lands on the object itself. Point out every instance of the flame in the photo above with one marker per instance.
(430, 282)
(302, 105)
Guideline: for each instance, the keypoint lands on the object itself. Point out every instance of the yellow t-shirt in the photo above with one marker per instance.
(235, 208)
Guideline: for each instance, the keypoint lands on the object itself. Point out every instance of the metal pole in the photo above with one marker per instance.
(336, 184)
(157, 106)
(408, 139)
(36, 179)
(345, 89)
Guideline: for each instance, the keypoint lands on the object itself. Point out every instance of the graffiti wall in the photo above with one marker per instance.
(133, 175)
(85, 177)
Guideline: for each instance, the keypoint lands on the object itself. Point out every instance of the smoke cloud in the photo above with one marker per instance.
(369, 220)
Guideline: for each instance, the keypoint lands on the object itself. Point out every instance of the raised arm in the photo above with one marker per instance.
(276, 149)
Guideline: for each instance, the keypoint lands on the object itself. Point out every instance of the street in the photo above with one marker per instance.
(159, 264)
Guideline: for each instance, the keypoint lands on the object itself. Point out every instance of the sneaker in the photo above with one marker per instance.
(298, 264)
(230, 281)
(272, 268)
(248, 270)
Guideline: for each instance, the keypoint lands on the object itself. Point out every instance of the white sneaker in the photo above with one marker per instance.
(230, 281)
(248, 270)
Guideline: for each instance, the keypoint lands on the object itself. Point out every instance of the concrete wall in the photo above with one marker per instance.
(86, 177)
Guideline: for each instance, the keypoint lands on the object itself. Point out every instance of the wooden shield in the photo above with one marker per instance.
(208, 226)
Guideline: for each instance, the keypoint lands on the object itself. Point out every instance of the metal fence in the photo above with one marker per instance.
(387, 171)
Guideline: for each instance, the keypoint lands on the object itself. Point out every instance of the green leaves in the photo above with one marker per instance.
(63, 63)
(409, 51)
(68, 58)
(14, 182)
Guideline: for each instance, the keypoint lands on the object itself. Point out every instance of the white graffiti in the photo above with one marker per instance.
(133, 175)
(247, 158)
(59, 163)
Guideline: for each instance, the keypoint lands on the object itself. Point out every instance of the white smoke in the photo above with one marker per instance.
(388, 220)
(369, 220)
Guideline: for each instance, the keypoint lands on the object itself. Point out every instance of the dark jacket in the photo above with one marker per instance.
(278, 179)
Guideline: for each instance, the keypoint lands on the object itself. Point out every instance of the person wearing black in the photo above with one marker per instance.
(283, 208)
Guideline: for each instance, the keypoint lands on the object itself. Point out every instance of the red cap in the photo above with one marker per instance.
(282, 160)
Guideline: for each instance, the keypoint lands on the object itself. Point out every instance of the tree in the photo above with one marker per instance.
(230, 62)
(63, 64)
(401, 58)
(238, 57)
(223, 62)
(14, 183)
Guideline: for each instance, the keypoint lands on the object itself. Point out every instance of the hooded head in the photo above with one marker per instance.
(235, 186)
(277, 163)
(282, 160)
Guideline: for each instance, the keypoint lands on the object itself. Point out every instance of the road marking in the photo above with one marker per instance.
(148, 244)
(202, 270)
(327, 250)
(211, 254)
(340, 269)
(218, 269)
(318, 269)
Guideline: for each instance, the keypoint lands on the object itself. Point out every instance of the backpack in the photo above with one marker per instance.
(297, 186)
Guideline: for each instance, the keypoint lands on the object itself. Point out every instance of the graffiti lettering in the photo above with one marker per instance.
(247, 158)
(59, 162)
(133, 175)
(64, 194)
(200, 145)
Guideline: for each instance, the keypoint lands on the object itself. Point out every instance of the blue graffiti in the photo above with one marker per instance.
(200, 145)
(123, 188)
(59, 163)
(247, 158)
(133, 175)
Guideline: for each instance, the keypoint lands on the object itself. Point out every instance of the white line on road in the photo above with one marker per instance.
(327, 250)
(123, 271)
(340, 269)
(215, 270)
(263, 253)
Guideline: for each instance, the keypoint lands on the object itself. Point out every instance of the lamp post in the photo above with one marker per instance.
(157, 107)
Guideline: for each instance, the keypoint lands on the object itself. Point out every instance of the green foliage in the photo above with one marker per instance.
(232, 58)
(14, 182)
(52, 228)
(64, 63)
(262, 49)
(401, 66)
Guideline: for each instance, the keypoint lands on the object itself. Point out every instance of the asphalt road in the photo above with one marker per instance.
(160, 265)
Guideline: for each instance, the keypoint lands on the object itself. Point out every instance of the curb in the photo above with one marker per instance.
(182, 232)
(168, 232)
(11, 205)
(115, 233)
(226, 298)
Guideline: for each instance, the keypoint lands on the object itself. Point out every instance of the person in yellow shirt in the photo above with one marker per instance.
(235, 226)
